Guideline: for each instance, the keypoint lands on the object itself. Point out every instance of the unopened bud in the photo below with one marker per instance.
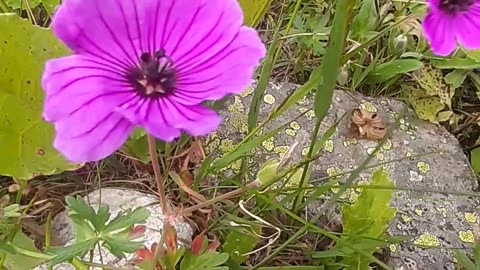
(343, 75)
(400, 43)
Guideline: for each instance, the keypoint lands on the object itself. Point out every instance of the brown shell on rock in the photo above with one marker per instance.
(367, 125)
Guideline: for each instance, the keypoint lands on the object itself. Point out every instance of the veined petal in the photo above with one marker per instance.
(440, 31)
(108, 29)
(81, 95)
(196, 120)
(229, 71)
(147, 114)
(469, 30)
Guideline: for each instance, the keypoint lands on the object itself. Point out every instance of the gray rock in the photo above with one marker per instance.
(427, 161)
(119, 200)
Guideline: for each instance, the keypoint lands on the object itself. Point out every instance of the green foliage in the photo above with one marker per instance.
(388, 70)
(475, 158)
(363, 24)
(21, 261)
(254, 10)
(312, 31)
(432, 99)
(365, 222)
(239, 242)
(25, 138)
(207, 261)
(465, 261)
(94, 227)
(23, 4)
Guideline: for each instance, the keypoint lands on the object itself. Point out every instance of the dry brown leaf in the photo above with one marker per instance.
(367, 125)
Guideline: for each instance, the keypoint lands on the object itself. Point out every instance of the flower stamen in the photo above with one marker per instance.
(452, 7)
(156, 75)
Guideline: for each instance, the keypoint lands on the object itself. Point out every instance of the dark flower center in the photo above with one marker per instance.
(156, 75)
(455, 6)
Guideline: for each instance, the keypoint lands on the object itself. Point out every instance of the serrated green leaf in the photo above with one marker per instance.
(118, 245)
(206, 261)
(368, 217)
(126, 219)
(455, 63)
(239, 243)
(474, 54)
(20, 261)
(388, 70)
(78, 207)
(27, 141)
(77, 250)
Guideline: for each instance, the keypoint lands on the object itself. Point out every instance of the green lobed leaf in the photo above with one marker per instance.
(368, 217)
(388, 70)
(26, 139)
(76, 250)
(456, 77)
(119, 244)
(128, 218)
(79, 208)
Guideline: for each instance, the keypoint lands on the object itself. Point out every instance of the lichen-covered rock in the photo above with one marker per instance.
(425, 162)
(119, 200)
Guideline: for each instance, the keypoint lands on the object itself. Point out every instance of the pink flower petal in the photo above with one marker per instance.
(196, 120)
(469, 30)
(150, 116)
(440, 32)
(80, 98)
(107, 29)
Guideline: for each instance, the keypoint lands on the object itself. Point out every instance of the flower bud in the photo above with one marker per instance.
(343, 75)
(400, 43)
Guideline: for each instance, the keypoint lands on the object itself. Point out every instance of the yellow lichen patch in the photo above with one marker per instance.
(370, 150)
(303, 101)
(427, 240)
(418, 212)
(443, 211)
(239, 121)
(471, 217)
(406, 218)
(369, 107)
(387, 145)
(281, 150)
(305, 151)
(403, 127)
(237, 106)
(334, 173)
(393, 248)
(269, 144)
(423, 167)
(408, 154)
(413, 138)
(328, 146)
(269, 99)
(290, 132)
(294, 125)
(380, 156)
(302, 109)
(399, 226)
(236, 166)
(349, 141)
(226, 145)
(310, 114)
(247, 92)
(466, 236)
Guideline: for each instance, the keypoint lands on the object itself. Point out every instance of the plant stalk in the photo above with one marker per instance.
(152, 148)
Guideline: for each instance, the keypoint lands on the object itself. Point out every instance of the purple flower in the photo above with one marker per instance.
(452, 21)
(143, 63)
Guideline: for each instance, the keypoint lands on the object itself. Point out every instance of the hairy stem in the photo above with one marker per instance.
(158, 176)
